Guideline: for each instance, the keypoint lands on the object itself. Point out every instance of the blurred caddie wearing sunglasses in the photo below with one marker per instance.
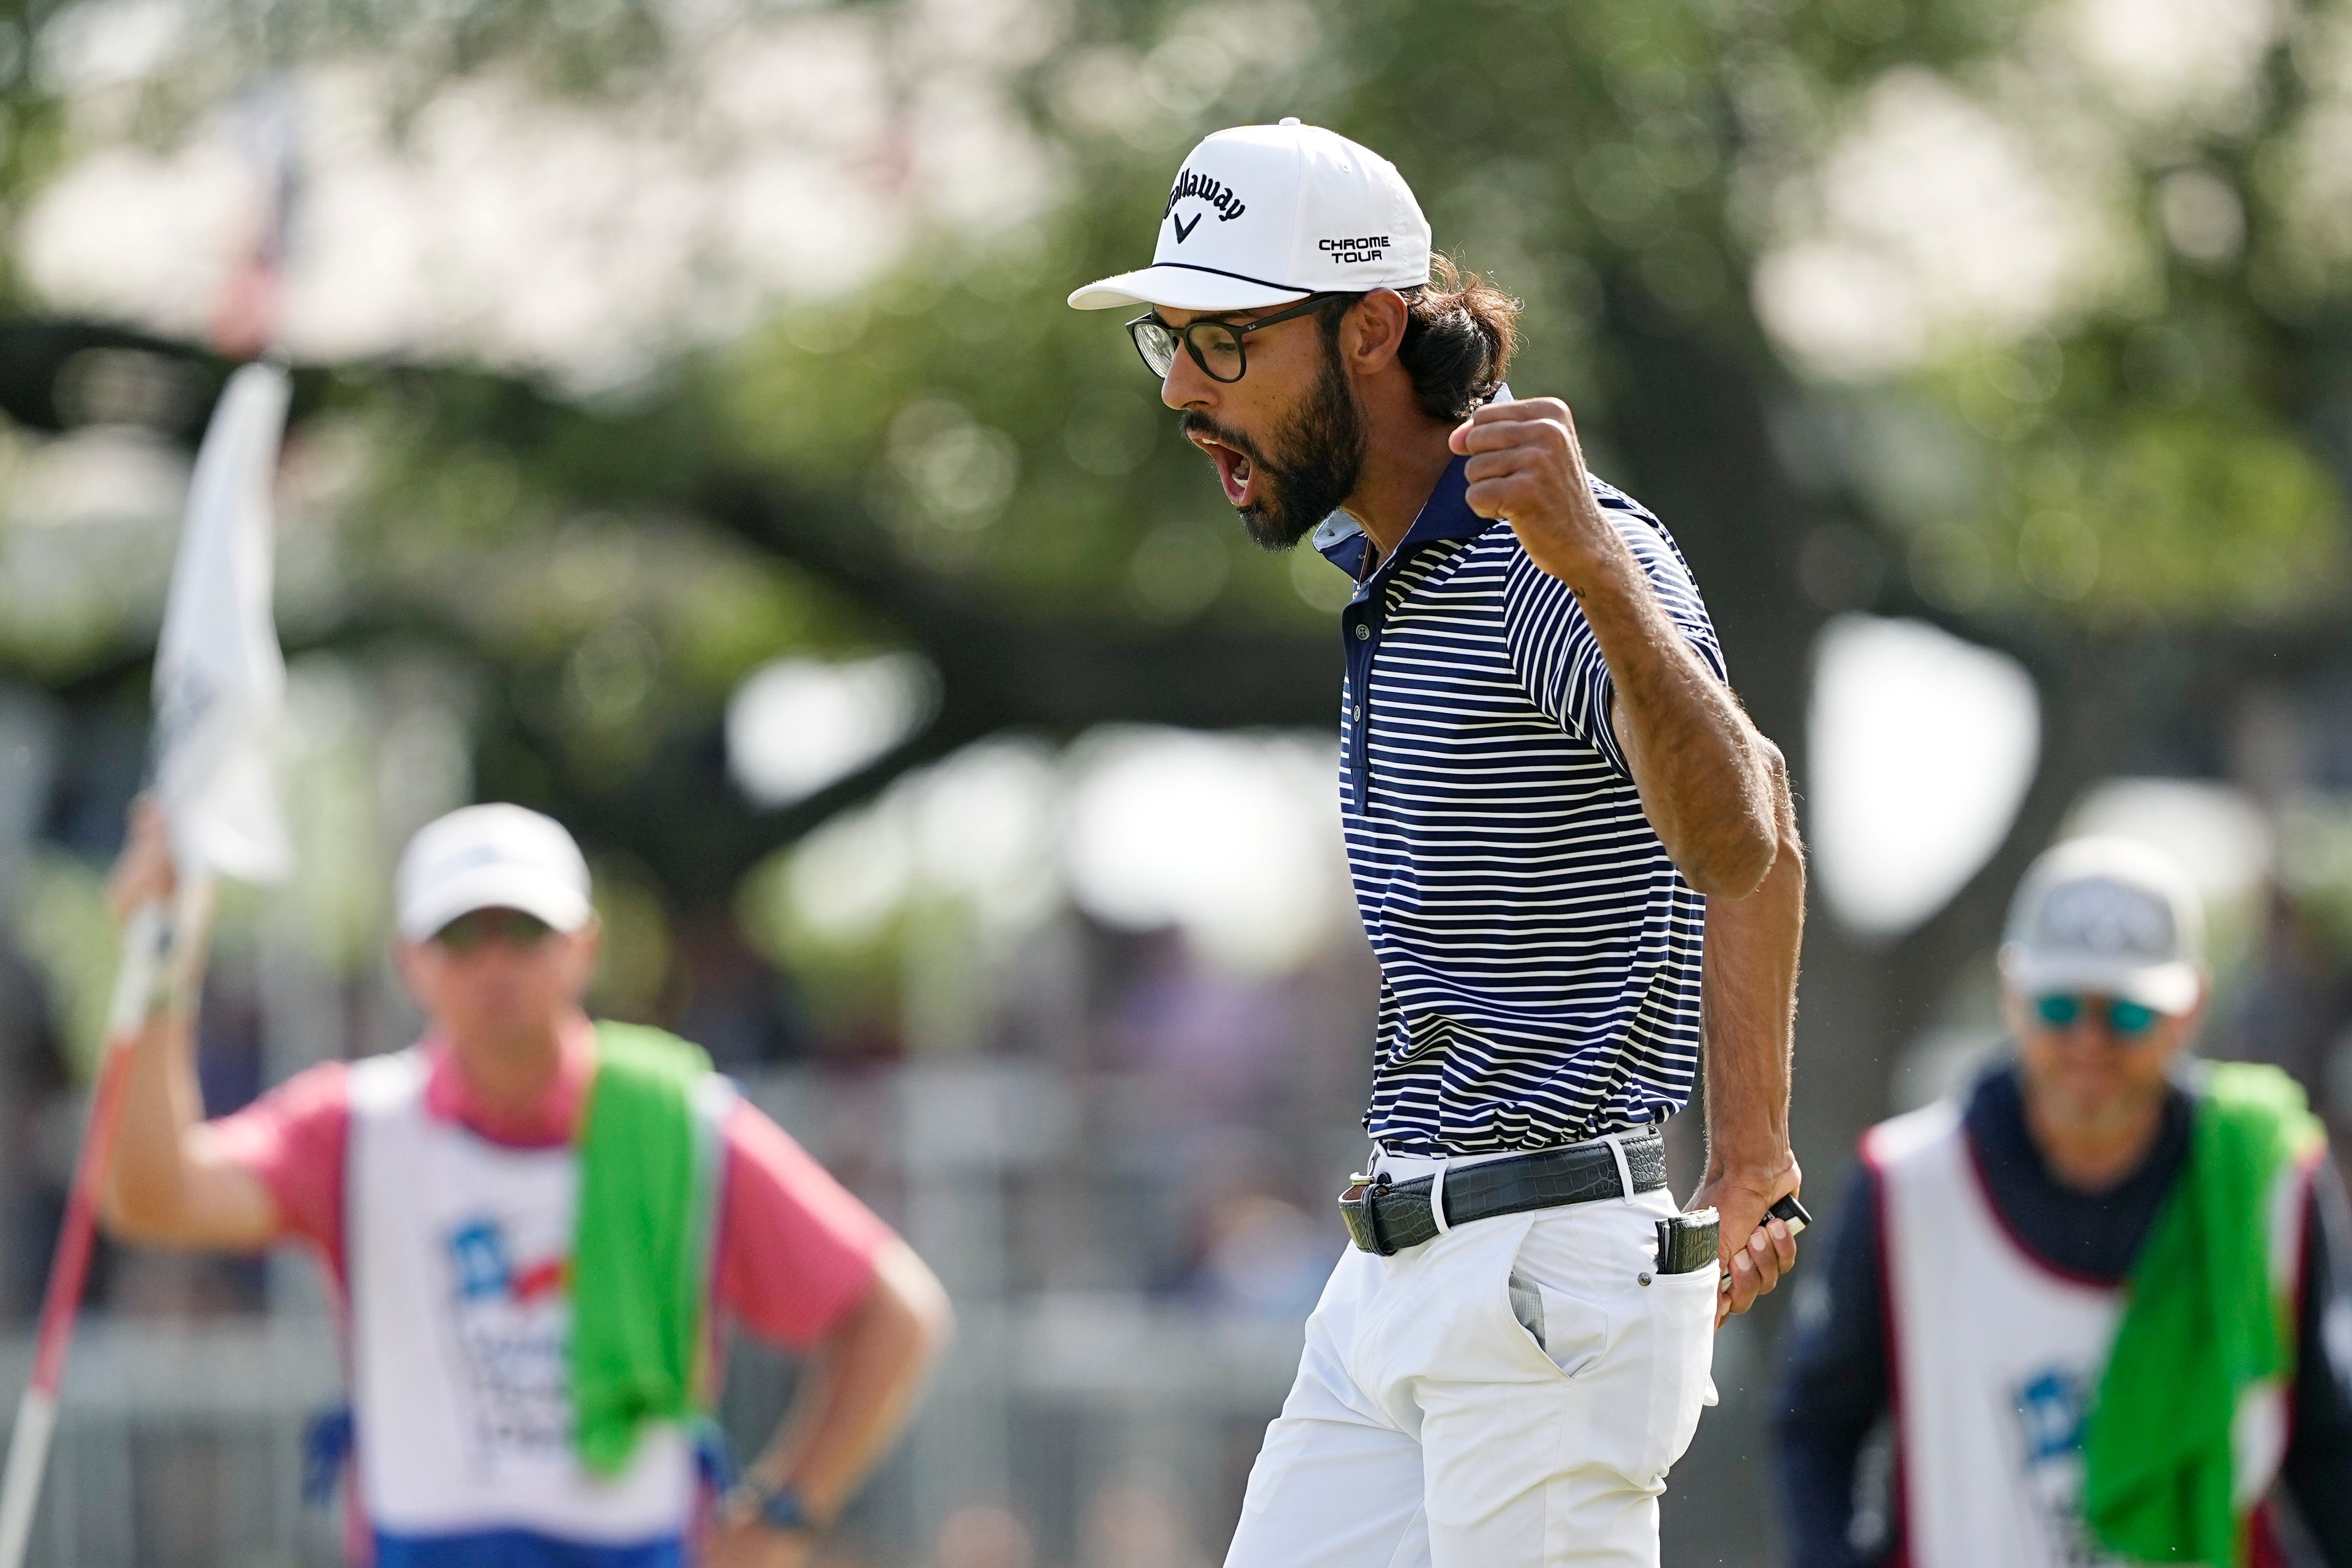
(2094, 1293)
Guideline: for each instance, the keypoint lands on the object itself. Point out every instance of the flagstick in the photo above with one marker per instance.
(148, 944)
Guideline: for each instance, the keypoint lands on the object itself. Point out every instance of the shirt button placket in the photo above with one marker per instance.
(1360, 753)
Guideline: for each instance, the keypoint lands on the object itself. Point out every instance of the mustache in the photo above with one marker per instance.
(1196, 422)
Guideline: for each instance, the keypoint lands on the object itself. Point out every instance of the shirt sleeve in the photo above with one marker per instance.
(1552, 646)
(2319, 1448)
(795, 1251)
(293, 1138)
(1835, 1386)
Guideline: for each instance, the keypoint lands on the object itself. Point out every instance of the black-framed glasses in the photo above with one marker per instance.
(471, 932)
(2128, 1020)
(1215, 346)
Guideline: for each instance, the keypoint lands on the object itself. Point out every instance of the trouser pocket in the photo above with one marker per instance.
(1634, 1344)
(1571, 1331)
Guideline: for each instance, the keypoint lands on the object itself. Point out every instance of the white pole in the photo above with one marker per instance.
(145, 938)
(28, 1453)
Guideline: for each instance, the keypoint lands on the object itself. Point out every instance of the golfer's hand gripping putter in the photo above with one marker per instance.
(1683, 1231)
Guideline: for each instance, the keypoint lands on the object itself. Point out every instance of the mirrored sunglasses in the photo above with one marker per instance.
(2125, 1020)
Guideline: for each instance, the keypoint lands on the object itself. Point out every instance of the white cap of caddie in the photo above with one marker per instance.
(490, 858)
(2106, 917)
(1265, 215)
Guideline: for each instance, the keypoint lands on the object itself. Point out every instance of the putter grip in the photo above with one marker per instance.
(1790, 1213)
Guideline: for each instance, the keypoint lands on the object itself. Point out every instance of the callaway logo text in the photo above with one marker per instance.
(1371, 248)
(1221, 197)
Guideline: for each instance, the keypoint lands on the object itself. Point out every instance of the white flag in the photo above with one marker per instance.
(220, 680)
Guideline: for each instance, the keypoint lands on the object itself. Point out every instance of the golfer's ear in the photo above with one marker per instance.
(1375, 328)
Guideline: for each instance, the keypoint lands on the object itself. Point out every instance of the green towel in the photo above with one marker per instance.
(640, 1253)
(2201, 1326)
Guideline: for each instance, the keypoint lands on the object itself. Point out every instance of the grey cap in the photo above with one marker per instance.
(2109, 917)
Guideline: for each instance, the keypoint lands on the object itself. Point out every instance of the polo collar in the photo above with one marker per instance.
(1446, 514)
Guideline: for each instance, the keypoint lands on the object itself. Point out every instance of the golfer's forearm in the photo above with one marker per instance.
(863, 1385)
(1749, 988)
(1704, 773)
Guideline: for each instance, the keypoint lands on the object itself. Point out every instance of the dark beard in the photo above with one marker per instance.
(1323, 448)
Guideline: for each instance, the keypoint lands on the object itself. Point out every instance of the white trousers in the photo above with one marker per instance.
(1429, 1429)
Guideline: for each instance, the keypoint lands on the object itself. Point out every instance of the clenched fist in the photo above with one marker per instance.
(1525, 467)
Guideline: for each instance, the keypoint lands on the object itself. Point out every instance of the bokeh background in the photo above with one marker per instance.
(689, 440)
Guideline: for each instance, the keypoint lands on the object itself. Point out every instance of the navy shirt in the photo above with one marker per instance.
(1538, 950)
(1834, 1392)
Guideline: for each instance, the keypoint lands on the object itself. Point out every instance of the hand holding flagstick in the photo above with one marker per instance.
(220, 680)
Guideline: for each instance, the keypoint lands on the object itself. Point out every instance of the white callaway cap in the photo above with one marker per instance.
(1265, 215)
(2106, 917)
(490, 858)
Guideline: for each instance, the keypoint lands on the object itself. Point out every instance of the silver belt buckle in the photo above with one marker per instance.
(1360, 1214)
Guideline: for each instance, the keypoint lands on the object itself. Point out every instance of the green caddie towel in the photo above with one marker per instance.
(640, 1254)
(2201, 1326)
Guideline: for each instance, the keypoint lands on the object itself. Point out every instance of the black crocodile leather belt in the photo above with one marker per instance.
(1386, 1217)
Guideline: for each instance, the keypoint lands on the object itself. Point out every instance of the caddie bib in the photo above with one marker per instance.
(457, 1251)
(1996, 1356)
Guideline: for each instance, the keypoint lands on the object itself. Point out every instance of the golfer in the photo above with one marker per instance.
(534, 1222)
(1548, 794)
(2103, 1295)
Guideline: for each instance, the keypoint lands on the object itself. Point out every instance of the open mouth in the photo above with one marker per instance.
(1234, 470)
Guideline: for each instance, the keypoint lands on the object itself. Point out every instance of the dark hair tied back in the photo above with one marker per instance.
(1459, 333)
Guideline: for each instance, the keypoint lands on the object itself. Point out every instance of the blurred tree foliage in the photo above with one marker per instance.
(2136, 487)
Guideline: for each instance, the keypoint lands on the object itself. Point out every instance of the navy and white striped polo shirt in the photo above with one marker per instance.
(1539, 953)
